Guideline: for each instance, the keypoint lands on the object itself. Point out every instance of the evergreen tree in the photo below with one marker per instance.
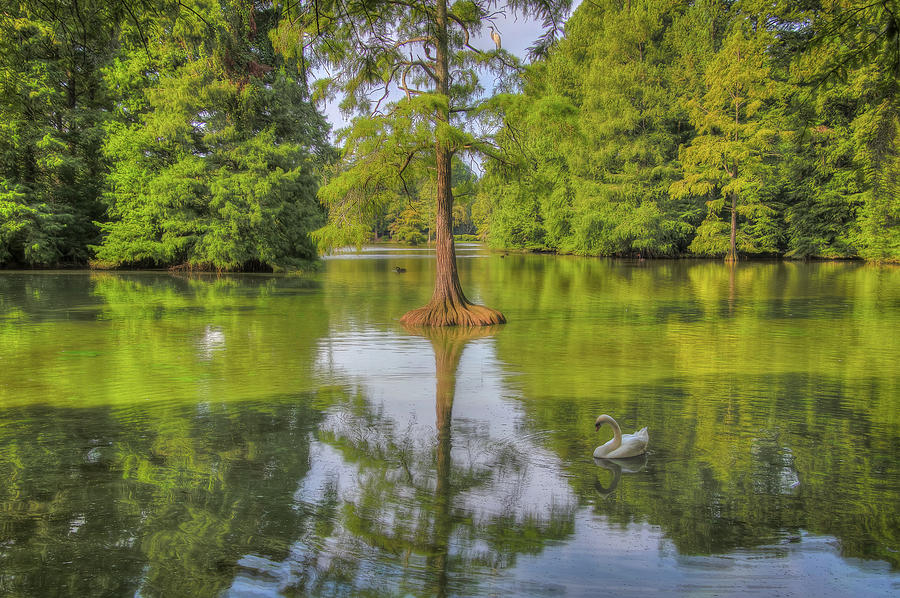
(52, 107)
(215, 157)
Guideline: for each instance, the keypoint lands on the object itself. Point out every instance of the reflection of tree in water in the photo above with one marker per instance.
(718, 361)
(409, 512)
(712, 489)
(157, 500)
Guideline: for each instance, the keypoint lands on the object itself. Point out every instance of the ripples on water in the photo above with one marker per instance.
(264, 435)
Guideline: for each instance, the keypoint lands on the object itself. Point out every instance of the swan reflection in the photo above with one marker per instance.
(618, 467)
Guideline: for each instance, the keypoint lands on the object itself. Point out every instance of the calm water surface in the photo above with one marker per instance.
(165, 435)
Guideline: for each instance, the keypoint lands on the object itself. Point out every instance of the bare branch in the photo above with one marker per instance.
(409, 91)
(423, 39)
(465, 29)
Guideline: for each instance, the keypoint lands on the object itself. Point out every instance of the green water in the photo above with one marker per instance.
(166, 435)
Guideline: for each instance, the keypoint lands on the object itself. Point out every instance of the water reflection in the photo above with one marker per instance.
(270, 435)
(617, 467)
(415, 501)
(151, 501)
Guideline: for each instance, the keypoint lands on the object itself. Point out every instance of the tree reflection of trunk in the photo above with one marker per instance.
(732, 266)
(448, 344)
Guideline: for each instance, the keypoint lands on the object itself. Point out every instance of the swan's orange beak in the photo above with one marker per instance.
(596, 426)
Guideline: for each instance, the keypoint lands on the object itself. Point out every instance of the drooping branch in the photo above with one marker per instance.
(465, 30)
(408, 90)
(406, 163)
(387, 89)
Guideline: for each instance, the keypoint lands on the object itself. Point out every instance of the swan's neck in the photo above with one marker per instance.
(617, 432)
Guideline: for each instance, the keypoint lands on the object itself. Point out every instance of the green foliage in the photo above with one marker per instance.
(385, 158)
(410, 225)
(652, 121)
(724, 163)
(171, 133)
(217, 167)
(31, 231)
(424, 52)
(591, 156)
(52, 107)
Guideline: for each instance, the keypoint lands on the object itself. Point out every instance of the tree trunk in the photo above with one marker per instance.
(448, 305)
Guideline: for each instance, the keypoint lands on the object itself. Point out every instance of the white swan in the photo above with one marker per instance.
(621, 445)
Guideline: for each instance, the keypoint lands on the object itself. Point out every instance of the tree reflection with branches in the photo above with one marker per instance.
(419, 512)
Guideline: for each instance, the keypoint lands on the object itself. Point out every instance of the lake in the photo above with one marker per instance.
(270, 435)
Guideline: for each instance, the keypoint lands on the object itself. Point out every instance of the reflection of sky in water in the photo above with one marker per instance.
(519, 479)
(639, 560)
(396, 376)
(211, 341)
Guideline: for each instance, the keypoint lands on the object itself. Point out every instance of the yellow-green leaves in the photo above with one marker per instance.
(724, 162)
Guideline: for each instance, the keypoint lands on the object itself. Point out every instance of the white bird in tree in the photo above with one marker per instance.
(495, 36)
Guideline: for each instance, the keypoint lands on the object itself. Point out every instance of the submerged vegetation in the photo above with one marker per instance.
(164, 133)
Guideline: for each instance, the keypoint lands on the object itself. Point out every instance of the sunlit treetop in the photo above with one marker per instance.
(373, 48)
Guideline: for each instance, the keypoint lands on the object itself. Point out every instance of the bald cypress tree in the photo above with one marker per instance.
(724, 160)
(425, 53)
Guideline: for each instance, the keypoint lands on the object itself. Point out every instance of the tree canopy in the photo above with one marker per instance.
(213, 159)
(185, 133)
(155, 134)
(426, 52)
(706, 128)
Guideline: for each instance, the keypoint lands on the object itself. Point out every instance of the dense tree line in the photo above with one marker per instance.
(182, 133)
(709, 127)
(155, 133)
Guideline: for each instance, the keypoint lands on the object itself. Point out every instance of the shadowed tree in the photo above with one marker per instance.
(53, 103)
(424, 50)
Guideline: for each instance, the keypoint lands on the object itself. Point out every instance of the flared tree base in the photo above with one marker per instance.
(452, 313)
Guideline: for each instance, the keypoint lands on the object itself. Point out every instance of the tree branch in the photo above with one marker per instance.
(465, 29)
